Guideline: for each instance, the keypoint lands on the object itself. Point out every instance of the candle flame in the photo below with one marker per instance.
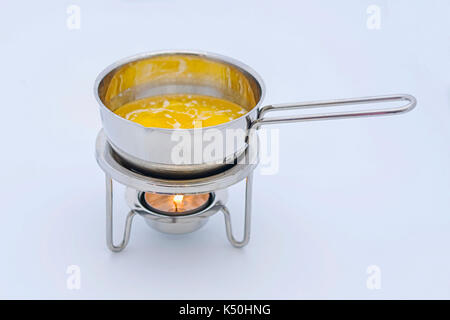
(178, 198)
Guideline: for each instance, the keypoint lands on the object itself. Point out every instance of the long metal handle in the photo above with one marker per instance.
(334, 115)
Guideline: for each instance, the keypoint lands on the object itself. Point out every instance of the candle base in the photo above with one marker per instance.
(177, 227)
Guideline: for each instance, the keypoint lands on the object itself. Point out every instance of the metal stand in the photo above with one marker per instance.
(132, 213)
(138, 182)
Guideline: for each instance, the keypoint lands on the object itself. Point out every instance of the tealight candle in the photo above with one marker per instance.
(176, 203)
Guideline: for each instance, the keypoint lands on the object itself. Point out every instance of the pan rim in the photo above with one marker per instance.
(209, 55)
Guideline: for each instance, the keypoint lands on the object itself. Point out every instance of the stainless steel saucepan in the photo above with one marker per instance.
(149, 150)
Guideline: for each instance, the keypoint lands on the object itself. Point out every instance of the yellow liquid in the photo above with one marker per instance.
(180, 111)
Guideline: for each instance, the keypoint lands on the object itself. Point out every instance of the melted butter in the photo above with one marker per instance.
(180, 111)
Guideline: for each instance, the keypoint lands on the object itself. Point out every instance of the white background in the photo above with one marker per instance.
(349, 193)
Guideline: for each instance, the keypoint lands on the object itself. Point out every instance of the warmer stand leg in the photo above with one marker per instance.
(109, 220)
(248, 211)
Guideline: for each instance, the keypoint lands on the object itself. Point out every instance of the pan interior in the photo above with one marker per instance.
(178, 74)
